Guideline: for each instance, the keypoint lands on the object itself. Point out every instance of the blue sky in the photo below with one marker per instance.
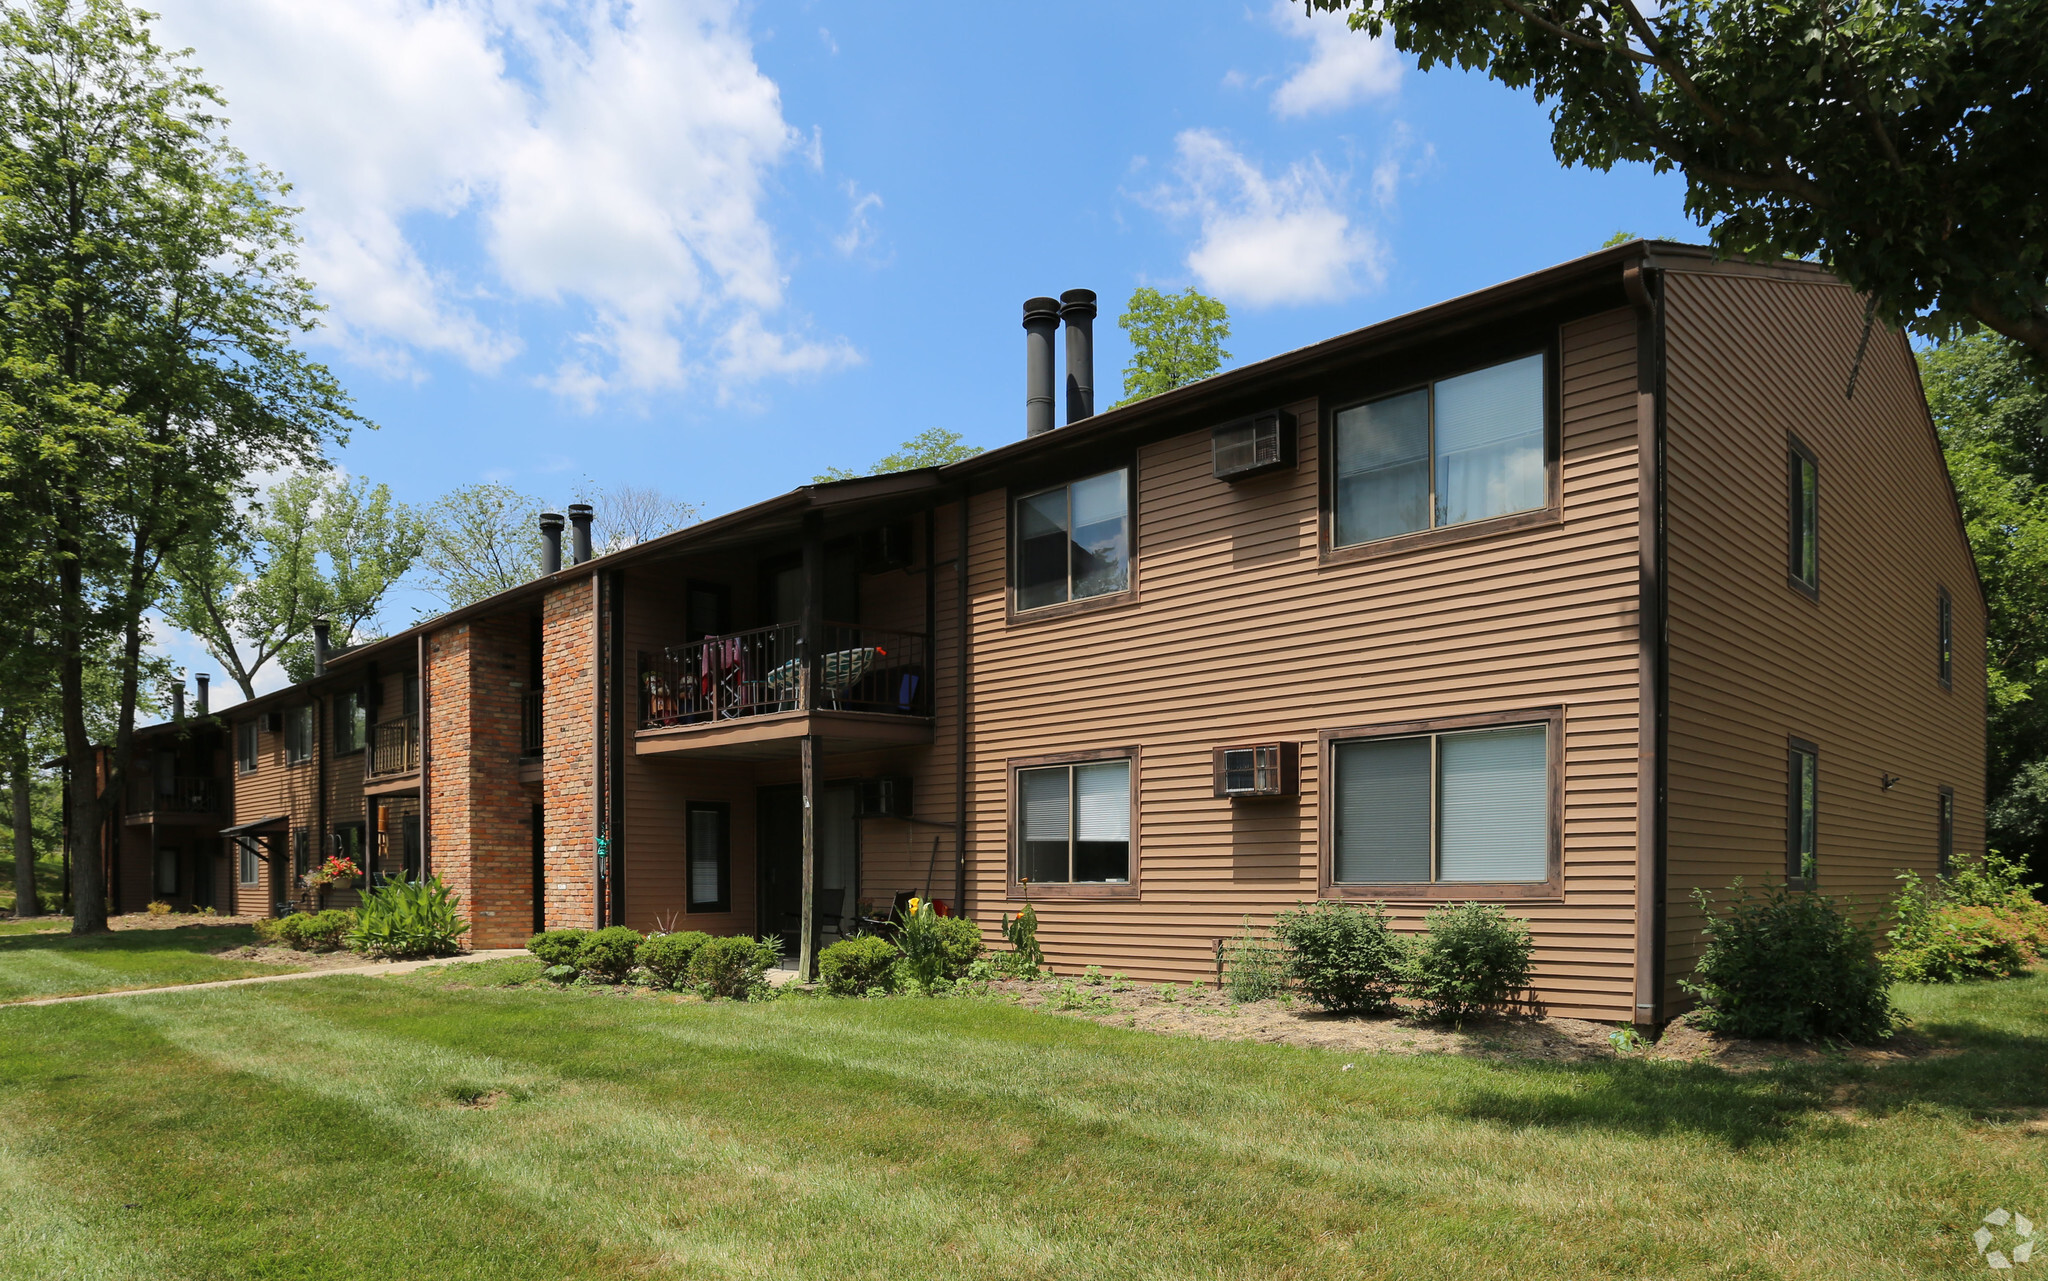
(716, 248)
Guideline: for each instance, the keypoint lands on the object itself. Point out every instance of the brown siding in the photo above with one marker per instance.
(1752, 660)
(1240, 633)
(274, 788)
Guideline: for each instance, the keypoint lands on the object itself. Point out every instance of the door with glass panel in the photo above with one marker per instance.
(779, 847)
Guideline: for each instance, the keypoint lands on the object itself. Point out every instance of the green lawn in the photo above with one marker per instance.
(35, 964)
(329, 1129)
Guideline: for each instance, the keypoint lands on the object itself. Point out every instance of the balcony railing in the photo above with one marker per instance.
(194, 794)
(529, 723)
(766, 670)
(395, 746)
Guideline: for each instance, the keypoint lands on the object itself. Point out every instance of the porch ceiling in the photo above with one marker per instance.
(779, 736)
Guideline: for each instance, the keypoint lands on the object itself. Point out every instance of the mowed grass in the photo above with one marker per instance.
(34, 964)
(376, 1128)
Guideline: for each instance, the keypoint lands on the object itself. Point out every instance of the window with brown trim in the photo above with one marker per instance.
(298, 734)
(1802, 813)
(351, 723)
(245, 746)
(1946, 639)
(248, 862)
(708, 831)
(1453, 451)
(1072, 542)
(1803, 511)
(1439, 806)
(1945, 838)
(1073, 823)
(166, 871)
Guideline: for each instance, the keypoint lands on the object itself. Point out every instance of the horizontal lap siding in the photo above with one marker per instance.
(1752, 660)
(1241, 634)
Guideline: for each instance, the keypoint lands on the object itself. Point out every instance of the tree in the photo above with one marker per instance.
(1992, 412)
(626, 515)
(1900, 145)
(149, 302)
(933, 447)
(481, 540)
(316, 545)
(1176, 339)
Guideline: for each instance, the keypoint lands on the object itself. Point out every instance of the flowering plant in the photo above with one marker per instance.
(337, 869)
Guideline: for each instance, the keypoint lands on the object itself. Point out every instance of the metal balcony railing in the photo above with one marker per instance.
(769, 669)
(188, 794)
(395, 746)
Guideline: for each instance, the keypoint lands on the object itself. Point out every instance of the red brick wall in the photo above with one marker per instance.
(568, 735)
(480, 820)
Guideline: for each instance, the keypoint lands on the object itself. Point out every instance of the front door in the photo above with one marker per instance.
(779, 851)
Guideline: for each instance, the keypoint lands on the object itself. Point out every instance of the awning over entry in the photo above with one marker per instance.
(275, 822)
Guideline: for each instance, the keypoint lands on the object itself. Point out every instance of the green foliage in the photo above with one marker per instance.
(1471, 957)
(1342, 956)
(1898, 144)
(1982, 922)
(557, 947)
(308, 931)
(666, 957)
(1789, 965)
(923, 938)
(401, 919)
(933, 447)
(608, 955)
(735, 968)
(1176, 339)
(1254, 969)
(481, 540)
(854, 967)
(960, 945)
(1024, 959)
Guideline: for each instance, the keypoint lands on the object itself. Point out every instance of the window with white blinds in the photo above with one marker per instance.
(1074, 824)
(1462, 807)
(709, 836)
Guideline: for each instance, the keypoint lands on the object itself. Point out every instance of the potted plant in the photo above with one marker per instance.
(337, 870)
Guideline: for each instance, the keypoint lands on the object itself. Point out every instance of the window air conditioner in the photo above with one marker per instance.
(1258, 769)
(1252, 446)
(885, 798)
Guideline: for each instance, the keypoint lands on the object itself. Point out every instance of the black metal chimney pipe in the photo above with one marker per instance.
(320, 627)
(1041, 317)
(1077, 309)
(580, 515)
(551, 542)
(202, 678)
(178, 701)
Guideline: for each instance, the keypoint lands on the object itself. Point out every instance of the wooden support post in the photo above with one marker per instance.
(812, 631)
(807, 946)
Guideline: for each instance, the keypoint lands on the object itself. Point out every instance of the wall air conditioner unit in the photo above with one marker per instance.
(273, 722)
(885, 798)
(1253, 446)
(885, 547)
(1258, 769)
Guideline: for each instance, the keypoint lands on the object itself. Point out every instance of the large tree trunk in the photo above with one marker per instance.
(25, 904)
(88, 872)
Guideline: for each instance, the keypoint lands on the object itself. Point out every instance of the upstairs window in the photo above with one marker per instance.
(1456, 450)
(1073, 541)
(351, 724)
(1804, 493)
(1802, 813)
(1074, 823)
(298, 735)
(1945, 648)
(245, 746)
(1463, 807)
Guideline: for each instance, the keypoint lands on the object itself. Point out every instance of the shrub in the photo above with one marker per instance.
(271, 929)
(557, 947)
(608, 955)
(1471, 957)
(666, 957)
(408, 918)
(734, 967)
(1789, 966)
(1024, 960)
(921, 934)
(1342, 955)
(159, 908)
(851, 967)
(1254, 969)
(1982, 922)
(960, 945)
(322, 931)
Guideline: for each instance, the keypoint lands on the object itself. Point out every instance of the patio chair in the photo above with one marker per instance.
(843, 669)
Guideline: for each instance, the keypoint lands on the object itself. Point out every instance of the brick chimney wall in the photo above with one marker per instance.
(568, 753)
(480, 814)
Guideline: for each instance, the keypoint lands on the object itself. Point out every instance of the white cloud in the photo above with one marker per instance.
(1343, 67)
(859, 233)
(1266, 239)
(455, 158)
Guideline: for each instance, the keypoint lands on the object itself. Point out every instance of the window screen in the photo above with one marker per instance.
(1805, 523)
(1802, 813)
(1462, 449)
(1945, 637)
(245, 746)
(298, 734)
(1075, 823)
(167, 870)
(710, 857)
(248, 866)
(1945, 838)
(1460, 806)
(1073, 542)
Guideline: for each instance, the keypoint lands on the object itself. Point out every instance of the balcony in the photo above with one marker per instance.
(189, 798)
(752, 694)
(394, 748)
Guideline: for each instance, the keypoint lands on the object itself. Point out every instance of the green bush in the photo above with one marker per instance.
(1935, 939)
(666, 957)
(1471, 957)
(851, 967)
(1789, 966)
(959, 945)
(734, 967)
(1254, 969)
(1342, 956)
(1024, 959)
(557, 947)
(308, 931)
(608, 955)
(922, 937)
(408, 918)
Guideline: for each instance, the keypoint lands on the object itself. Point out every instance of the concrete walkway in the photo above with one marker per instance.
(374, 967)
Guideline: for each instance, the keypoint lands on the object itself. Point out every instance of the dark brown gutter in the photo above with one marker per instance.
(1641, 281)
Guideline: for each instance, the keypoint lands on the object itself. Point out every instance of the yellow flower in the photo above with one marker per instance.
(914, 905)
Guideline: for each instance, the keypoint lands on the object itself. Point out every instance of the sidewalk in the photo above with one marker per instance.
(373, 967)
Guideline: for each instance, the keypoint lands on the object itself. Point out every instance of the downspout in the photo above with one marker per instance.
(1641, 282)
(320, 733)
(963, 631)
(426, 768)
(598, 870)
